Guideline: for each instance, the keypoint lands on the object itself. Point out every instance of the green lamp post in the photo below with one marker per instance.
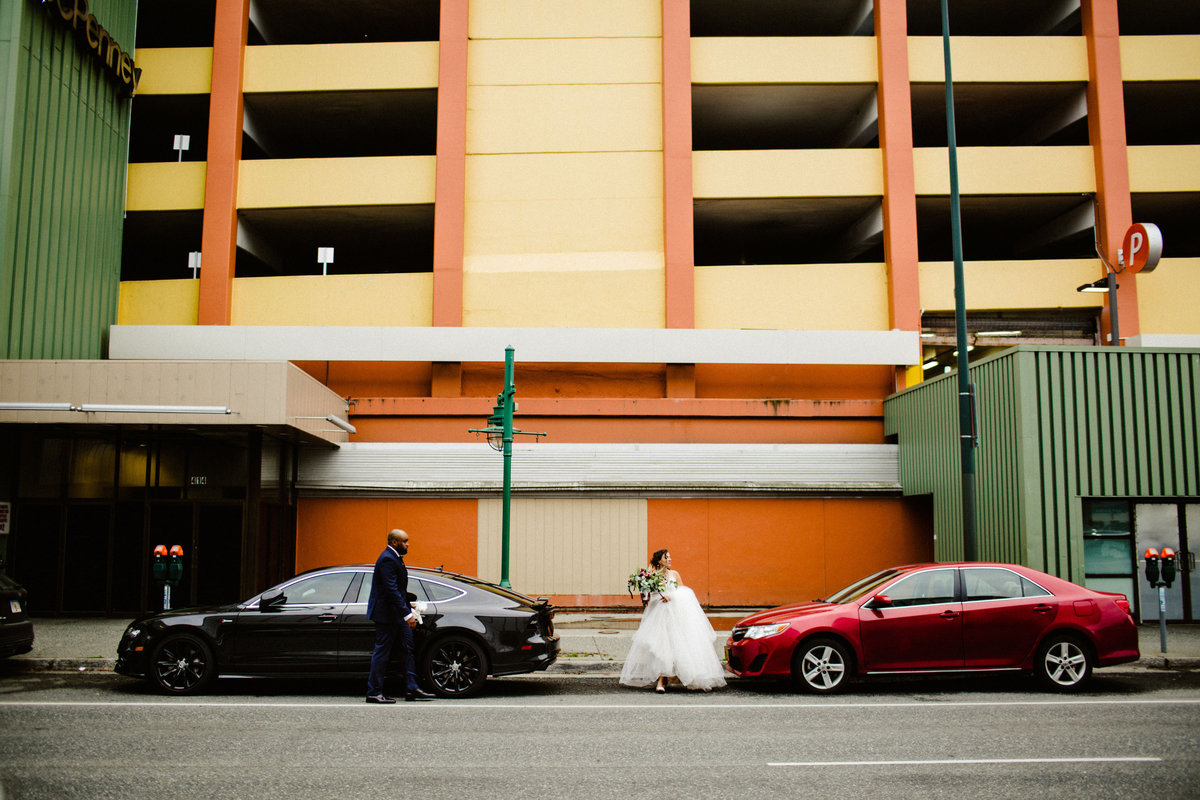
(500, 432)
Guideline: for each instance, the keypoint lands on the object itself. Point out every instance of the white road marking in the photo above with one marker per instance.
(957, 761)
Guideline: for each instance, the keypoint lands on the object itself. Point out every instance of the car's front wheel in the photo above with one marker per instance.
(454, 666)
(822, 666)
(1063, 664)
(182, 663)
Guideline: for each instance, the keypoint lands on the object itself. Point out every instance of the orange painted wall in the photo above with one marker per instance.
(764, 552)
(442, 532)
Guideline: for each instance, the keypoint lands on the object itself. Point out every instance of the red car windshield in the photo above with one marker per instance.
(866, 586)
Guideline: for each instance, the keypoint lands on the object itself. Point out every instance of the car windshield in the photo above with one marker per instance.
(863, 588)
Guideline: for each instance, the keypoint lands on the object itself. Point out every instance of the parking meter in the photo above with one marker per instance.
(1152, 566)
(1167, 568)
(158, 564)
(175, 564)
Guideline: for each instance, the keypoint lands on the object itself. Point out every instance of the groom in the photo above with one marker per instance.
(394, 619)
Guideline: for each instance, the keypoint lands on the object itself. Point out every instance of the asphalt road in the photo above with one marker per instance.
(102, 736)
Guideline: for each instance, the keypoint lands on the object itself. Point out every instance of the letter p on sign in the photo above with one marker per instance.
(1142, 247)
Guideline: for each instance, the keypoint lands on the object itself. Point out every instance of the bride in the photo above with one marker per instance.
(674, 638)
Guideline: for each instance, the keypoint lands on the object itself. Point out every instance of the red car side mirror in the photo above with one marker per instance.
(881, 601)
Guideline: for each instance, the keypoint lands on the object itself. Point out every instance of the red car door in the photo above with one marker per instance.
(1004, 615)
(919, 626)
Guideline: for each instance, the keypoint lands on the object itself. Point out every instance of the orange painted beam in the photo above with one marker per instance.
(894, 101)
(680, 255)
(449, 214)
(615, 407)
(1106, 129)
(218, 244)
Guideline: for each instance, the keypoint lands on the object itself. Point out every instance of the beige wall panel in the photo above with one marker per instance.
(787, 173)
(1169, 296)
(761, 59)
(564, 203)
(400, 299)
(1164, 169)
(158, 302)
(793, 296)
(1160, 58)
(166, 186)
(1012, 284)
(174, 70)
(549, 19)
(341, 67)
(564, 119)
(527, 62)
(999, 59)
(1006, 170)
(564, 546)
(571, 298)
(300, 182)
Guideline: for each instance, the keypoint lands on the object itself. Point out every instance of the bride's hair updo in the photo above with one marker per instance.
(656, 559)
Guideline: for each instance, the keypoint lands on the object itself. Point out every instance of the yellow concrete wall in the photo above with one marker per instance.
(1006, 170)
(793, 296)
(1174, 168)
(1012, 284)
(174, 70)
(787, 173)
(158, 302)
(564, 164)
(986, 59)
(403, 299)
(166, 186)
(761, 59)
(341, 67)
(1159, 58)
(303, 182)
(1169, 296)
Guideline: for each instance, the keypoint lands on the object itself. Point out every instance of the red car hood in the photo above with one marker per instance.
(786, 613)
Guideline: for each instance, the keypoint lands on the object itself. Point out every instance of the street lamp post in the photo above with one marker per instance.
(500, 432)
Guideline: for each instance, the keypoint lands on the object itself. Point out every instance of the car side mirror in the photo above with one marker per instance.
(272, 600)
(881, 601)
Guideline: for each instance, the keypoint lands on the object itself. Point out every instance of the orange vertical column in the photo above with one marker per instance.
(218, 244)
(1106, 128)
(894, 101)
(449, 214)
(680, 252)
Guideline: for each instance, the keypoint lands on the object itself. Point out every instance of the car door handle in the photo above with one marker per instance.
(327, 617)
(1042, 608)
(948, 614)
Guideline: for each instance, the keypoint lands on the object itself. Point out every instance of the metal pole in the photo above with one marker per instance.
(1162, 616)
(1114, 326)
(509, 393)
(965, 436)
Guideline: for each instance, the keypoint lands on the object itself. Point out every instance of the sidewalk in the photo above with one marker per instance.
(589, 643)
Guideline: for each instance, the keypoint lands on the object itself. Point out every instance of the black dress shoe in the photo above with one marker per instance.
(379, 698)
(417, 694)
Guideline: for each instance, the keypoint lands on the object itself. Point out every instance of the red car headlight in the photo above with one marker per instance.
(763, 631)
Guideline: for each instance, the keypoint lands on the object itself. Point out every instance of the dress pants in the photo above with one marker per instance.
(387, 635)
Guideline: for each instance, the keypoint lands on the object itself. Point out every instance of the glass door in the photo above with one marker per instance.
(1157, 525)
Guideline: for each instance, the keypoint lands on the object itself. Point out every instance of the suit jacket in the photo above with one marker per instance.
(388, 602)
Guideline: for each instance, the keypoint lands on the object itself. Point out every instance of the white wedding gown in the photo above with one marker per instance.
(675, 638)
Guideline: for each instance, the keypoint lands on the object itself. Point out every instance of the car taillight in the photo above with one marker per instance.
(1123, 604)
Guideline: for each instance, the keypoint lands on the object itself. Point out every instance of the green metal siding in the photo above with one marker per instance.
(64, 129)
(1056, 425)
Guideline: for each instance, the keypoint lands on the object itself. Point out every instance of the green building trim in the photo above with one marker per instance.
(64, 133)
(1056, 425)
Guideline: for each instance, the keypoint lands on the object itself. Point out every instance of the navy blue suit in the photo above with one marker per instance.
(388, 608)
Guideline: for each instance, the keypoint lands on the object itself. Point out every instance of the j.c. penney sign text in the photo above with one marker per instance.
(92, 36)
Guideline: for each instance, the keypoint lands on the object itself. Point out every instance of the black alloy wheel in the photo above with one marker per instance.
(182, 663)
(454, 667)
(1063, 663)
(821, 666)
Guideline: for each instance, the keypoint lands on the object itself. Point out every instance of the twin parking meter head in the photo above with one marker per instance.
(1167, 568)
(1160, 566)
(167, 566)
(158, 564)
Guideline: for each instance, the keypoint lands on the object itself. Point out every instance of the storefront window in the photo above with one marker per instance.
(1108, 561)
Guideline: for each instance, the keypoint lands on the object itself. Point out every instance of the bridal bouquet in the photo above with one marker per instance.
(646, 582)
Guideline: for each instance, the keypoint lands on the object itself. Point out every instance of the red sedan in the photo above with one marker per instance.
(940, 618)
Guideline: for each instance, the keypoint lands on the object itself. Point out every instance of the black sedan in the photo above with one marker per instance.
(16, 631)
(315, 625)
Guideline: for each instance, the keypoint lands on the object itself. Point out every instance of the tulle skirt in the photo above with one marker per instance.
(676, 639)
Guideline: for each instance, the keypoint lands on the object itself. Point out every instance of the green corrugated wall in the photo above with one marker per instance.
(1056, 425)
(64, 128)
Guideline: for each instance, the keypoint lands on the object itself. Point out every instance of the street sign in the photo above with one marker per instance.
(1142, 247)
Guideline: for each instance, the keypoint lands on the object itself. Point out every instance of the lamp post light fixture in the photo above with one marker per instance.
(182, 142)
(500, 432)
(324, 258)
